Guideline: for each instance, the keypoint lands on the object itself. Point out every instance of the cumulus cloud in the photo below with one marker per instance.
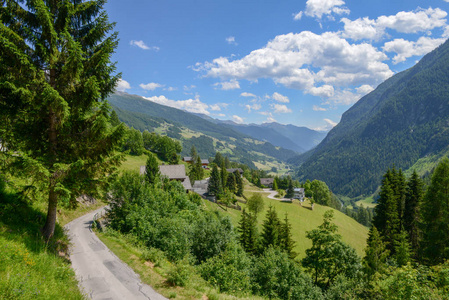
(280, 109)
(218, 106)
(328, 126)
(318, 8)
(171, 89)
(190, 105)
(280, 98)
(245, 94)
(420, 20)
(228, 85)
(318, 108)
(270, 120)
(306, 61)
(151, 86)
(189, 87)
(297, 16)
(237, 119)
(231, 40)
(143, 46)
(122, 85)
(254, 106)
(364, 89)
(405, 49)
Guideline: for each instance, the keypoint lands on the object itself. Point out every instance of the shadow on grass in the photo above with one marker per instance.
(19, 221)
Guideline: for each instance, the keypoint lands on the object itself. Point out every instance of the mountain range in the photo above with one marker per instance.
(404, 122)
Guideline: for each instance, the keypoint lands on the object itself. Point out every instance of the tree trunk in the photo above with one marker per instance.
(50, 223)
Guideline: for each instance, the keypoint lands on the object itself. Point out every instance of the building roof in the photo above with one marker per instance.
(173, 171)
(299, 190)
(187, 158)
(205, 161)
(266, 181)
(233, 170)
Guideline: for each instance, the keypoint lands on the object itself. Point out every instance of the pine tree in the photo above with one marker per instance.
(376, 253)
(114, 120)
(402, 249)
(151, 169)
(435, 213)
(193, 154)
(224, 175)
(227, 163)
(270, 229)
(55, 77)
(239, 183)
(231, 184)
(286, 242)
(413, 199)
(218, 160)
(214, 188)
(248, 233)
(290, 191)
(275, 185)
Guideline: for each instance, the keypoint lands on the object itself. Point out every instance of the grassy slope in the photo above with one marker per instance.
(304, 219)
(30, 268)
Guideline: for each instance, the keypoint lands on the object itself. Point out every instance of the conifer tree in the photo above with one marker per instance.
(286, 241)
(214, 188)
(290, 191)
(223, 175)
(248, 233)
(270, 229)
(239, 183)
(435, 213)
(55, 77)
(376, 253)
(413, 200)
(114, 120)
(402, 249)
(151, 169)
(218, 160)
(275, 185)
(231, 184)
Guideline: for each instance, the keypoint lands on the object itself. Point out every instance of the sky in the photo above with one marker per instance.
(293, 62)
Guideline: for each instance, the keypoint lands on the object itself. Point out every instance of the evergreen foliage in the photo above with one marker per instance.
(286, 241)
(223, 175)
(412, 215)
(270, 229)
(215, 188)
(290, 191)
(55, 76)
(376, 253)
(239, 183)
(248, 233)
(151, 169)
(435, 213)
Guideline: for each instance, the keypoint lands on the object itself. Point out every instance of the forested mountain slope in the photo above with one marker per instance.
(190, 129)
(406, 118)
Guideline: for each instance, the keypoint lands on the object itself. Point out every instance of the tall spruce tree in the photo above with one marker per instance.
(231, 184)
(412, 218)
(239, 183)
(55, 76)
(286, 241)
(214, 188)
(248, 233)
(224, 175)
(435, 213)
(270, 229)
(376, 253)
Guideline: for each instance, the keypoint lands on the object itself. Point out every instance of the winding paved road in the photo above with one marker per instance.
(100, 273)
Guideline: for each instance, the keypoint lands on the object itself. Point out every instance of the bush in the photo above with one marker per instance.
(179, 274)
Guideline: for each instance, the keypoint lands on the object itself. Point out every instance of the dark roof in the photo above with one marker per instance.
(266, 181)
(233, 170)
(187, 158)
(173, 171)
(205, 161)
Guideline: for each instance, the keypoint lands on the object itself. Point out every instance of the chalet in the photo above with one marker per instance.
(268, 182)
(299, 194)
(174, 172)
(233, 170)
(204, 162)
(200, 186)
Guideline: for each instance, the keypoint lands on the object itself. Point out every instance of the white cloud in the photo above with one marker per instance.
(122, 85)
(189, 87)
(270, 120)
(280, 98)
(151, 86)
(231, 40)
(254, 106)
(228, 85)
(405, 49)
(326, 91)
(143, 46)
(420, 20)
(307, 61)
(298, 16)
(318, 108)
(218, 106)
(328, 126)
(190, 105)
(280, 109)
(171, 89)
(364, 89)
(237, 119)
(318, 8)
(245, 94)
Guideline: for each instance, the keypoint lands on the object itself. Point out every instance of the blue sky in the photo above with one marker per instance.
(293, 62)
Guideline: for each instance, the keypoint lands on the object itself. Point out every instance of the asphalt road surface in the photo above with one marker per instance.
(101, 274)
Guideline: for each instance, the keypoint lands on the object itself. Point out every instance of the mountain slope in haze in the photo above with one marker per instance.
(206, 136)
(406, 118)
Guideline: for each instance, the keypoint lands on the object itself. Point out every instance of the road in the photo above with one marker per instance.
(100, 273)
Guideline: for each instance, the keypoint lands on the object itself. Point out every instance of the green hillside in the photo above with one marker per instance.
(193, 130)
(303, 219)
(405, 119)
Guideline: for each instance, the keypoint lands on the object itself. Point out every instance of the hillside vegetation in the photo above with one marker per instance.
(405, 119)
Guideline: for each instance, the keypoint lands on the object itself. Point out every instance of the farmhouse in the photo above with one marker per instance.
(298, 194)
(173, 172)
(268, 182)
(204, 162)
